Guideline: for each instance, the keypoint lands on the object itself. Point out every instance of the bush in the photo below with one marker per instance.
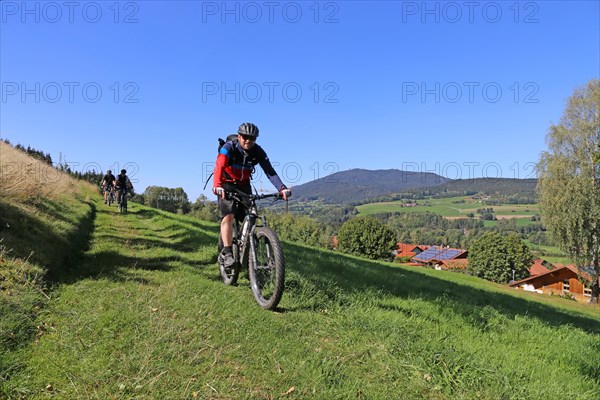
(299, 228)
(366, 237)
(494, 257)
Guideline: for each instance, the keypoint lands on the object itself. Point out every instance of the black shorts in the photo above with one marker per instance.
(227, 206)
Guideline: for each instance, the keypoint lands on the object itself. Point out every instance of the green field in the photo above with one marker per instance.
(454, 207)
(140, 313)
(552, 253)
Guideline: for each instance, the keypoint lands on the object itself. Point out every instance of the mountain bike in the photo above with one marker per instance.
(255, 247)
(122, 200)
(111, 195)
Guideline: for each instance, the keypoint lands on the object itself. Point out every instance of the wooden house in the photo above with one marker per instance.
(454, 264)
(561, 280)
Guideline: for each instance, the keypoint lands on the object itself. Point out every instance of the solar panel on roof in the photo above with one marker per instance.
(587, 269)
(421, 256)
(448, 254)
(441, 256)
(428, 254)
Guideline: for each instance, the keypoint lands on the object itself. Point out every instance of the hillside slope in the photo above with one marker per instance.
(144, 316)
(46, 218)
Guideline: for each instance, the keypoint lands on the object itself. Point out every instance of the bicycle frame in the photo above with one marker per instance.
(257, 248)
(246, 231)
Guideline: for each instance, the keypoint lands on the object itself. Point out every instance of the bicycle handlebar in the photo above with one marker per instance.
(232, 194)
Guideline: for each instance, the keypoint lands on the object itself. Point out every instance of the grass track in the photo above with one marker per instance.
(144, 316)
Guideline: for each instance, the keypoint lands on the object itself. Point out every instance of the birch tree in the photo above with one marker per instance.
(569, 182)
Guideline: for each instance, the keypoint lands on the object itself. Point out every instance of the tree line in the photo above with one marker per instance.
(37, 154)
(93, 177)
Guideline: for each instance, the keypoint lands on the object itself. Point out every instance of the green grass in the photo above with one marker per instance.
(449, 208)
(144, 316)
(39, 237)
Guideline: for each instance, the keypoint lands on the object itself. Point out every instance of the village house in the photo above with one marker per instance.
(409, 250)
(454, 264)
(544, 277)
(540, 267)
(562, 280)
(441, 257)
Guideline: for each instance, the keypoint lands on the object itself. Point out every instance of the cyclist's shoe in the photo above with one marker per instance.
(226, 258)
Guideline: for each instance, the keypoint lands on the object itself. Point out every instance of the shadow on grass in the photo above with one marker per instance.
(115, 266)
(33, 236)
(151, 247)
(351, 274)
(149, 213)
(46, 233)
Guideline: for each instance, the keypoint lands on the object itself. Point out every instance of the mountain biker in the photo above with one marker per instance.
(233, 170)
(108, 181)
(123, 185)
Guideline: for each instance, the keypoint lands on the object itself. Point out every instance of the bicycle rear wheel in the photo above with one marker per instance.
(230, 276)
(122, 200)
(267, 268)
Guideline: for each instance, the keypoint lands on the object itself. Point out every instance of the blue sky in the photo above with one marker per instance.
(462, 89)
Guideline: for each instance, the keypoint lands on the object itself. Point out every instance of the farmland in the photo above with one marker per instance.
(455, 207)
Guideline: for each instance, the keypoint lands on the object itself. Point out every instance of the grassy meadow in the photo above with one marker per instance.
(454, 207)
(134, 309)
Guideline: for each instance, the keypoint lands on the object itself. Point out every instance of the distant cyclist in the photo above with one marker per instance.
(234, 166)
(123, 185)
(108, 181)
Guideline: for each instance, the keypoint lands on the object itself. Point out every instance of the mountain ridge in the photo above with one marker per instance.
(359, 185)
(335, 189)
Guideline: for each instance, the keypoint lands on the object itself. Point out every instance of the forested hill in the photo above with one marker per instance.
(358, 184)
(490, 186)
(364, 186)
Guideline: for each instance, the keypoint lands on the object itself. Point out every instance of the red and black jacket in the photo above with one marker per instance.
(235, 165)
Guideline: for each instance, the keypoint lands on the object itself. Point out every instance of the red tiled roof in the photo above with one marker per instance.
(570, 267)
(408, 250)
(583, 274)
(538, 268)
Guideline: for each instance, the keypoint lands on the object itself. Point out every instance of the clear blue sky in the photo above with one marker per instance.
(463, 89)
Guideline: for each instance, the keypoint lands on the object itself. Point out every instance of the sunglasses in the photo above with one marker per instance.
(249, 138)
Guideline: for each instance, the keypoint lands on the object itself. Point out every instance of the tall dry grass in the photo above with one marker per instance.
(43, 223)
(22, 177)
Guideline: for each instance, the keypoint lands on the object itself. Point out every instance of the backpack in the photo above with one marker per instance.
(230, 138)
(122, 181)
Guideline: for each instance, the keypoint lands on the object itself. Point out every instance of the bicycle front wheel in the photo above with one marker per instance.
(119, 199)
(267, 268)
